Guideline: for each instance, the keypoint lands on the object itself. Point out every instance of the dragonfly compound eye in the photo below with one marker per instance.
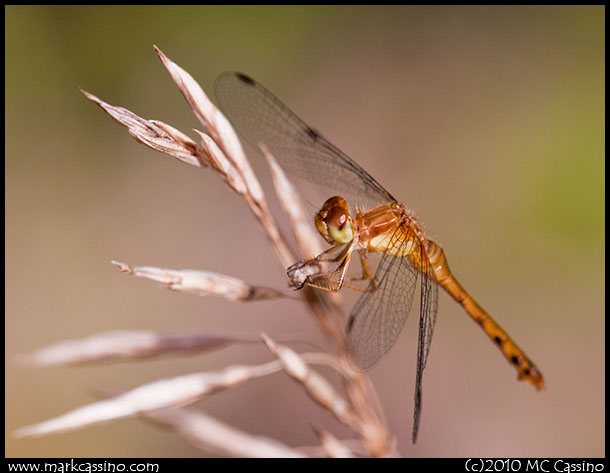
(333, 221)
(337, 220)
(341, 235)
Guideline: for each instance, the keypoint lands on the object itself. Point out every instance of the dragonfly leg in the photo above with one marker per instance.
(366, 271)
(332, 280)
(326, 256)
(300, 271)
(367, 275)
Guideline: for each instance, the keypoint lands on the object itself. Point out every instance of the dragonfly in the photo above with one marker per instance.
(360, 217)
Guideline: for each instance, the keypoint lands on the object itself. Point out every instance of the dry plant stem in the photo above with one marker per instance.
(372, 426)
(307, 240)
(315, 385)
(129, 345)
(222, 132)
(222, 152)
(333, 447)
(163, 394)
(126, 345)
(202, 283)
(166, 139)
(324, 307)
(211, 435)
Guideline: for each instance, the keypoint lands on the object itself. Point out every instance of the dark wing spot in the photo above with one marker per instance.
(350, 324)
(526, 371)
(245, 79)
(498, 340)
(514, 360)
(313, 133)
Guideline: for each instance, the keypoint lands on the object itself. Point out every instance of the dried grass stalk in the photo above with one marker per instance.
(202, 283)
(307, 239)
(211, 435)
(222, 152)
(222, 133)
(315, 385)
(214, 122)
(163, 394)
(125, 345)
(333, 447)
(232, 168)
(166, 139)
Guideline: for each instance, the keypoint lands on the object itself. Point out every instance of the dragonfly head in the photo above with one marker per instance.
(334, 222)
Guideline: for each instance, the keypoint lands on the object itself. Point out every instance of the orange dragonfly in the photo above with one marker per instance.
(373, 222)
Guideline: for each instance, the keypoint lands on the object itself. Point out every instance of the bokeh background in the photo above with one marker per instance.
(487, 121)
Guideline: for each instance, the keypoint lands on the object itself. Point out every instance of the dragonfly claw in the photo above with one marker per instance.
(299, 273)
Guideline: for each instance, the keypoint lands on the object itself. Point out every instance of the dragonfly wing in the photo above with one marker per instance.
(261, 118)
(379, 315)
(427, 320)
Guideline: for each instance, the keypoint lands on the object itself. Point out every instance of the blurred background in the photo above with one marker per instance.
(488, 122)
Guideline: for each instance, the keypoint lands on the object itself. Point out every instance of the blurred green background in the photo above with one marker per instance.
(486, 121)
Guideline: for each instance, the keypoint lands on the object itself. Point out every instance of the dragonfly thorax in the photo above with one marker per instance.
(334, 221)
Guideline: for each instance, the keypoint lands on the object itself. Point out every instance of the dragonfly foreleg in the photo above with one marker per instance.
(301, 270)
(367, 275)
(301, 274)
(326, 256)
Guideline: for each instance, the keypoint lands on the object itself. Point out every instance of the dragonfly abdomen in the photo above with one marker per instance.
(445, 278)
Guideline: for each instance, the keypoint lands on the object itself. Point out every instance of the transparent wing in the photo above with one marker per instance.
(378, 316)
(260, 117)
(427, 320)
